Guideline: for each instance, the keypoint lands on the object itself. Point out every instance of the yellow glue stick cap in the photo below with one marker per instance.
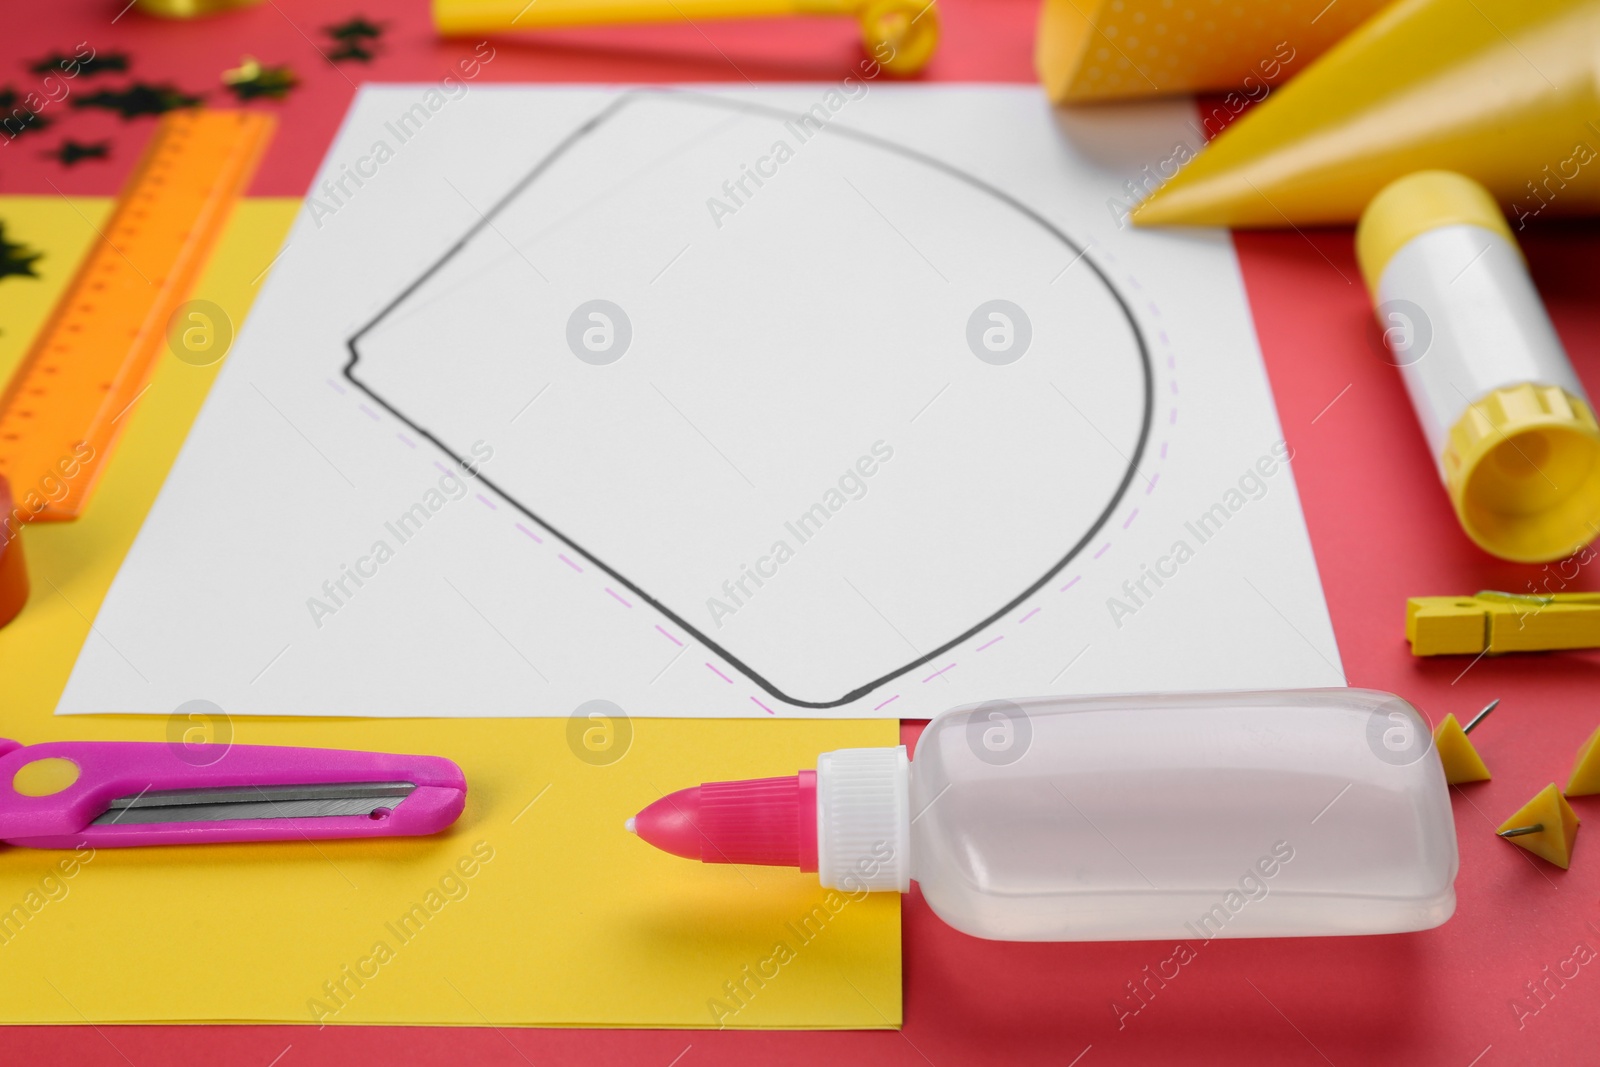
(1411, 206)
(1522, 467)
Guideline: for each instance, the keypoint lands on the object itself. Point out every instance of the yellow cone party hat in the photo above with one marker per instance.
(1504, 91)
(1111, 49)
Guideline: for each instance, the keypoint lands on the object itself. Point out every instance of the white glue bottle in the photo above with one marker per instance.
(1507, 420)
(1258, 814)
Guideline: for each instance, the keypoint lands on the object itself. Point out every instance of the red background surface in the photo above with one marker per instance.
(1380, 526)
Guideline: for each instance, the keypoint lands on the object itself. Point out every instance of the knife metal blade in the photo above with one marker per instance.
(254, 802)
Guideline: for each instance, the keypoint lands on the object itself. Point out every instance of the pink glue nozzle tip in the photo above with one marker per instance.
(767, 821)
(671, 823)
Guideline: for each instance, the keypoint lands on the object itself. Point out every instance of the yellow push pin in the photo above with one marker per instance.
(900, 35)
(1461, 760)
(1585, 780)
(1545, 826)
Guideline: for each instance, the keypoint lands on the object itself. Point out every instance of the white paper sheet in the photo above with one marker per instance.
(679, 400)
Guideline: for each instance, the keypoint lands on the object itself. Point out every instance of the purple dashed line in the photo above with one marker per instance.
(562, 557)
(442, 468)
(536, 538)
(368, 412)
(936, 674)
(886, 703)
(719, 674)
(669, 637)
(486, 502)
(1172, 420)
(618, 599)
(408, 442)
(996, 641)
(762, 706)
(336, 387)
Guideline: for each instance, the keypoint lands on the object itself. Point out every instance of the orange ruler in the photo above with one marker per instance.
(70, 398)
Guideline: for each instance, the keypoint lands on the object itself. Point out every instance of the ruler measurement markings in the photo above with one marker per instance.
(101, 342)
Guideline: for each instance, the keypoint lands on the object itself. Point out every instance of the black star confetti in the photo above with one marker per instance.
(251, 80)
(351, 50)
(354, 39)
(354, 29)
(138, 99)
(71, 153)
(16, 118)
(16, 260)
(77, 65)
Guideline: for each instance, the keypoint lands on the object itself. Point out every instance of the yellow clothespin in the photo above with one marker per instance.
(1501, 622)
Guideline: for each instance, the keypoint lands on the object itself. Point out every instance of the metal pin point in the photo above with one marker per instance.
(1484, 714)
(1520, 831)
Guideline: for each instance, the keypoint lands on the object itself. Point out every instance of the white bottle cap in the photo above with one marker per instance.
(864, 819)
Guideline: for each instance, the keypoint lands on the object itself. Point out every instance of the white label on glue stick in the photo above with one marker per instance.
(1462, 319)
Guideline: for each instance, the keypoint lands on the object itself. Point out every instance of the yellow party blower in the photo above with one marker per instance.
(1506, 92)
(899, 35)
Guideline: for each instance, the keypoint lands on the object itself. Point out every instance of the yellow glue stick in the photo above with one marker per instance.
(1504, 414)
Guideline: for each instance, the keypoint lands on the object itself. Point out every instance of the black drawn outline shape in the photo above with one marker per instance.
(623, 100)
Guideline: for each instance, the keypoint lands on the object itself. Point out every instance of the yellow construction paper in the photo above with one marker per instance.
(536, 908)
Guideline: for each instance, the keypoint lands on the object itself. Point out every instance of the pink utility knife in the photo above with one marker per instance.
(111, 794)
